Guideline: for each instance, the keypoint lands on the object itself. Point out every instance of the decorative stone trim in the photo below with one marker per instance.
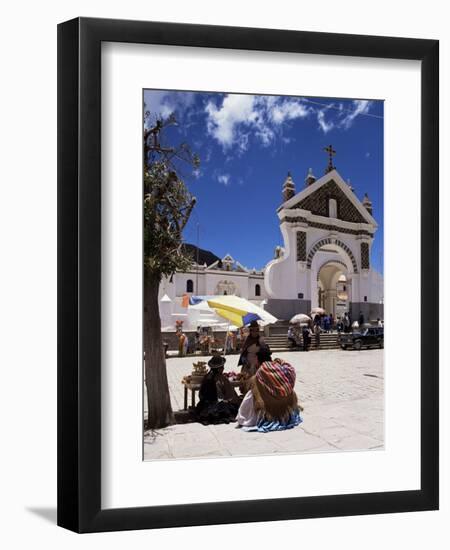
(365, 261)
(317, 203)
(301, 246)
(337, 242)
(301, 219)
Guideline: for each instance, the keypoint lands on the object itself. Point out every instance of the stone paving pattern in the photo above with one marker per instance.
(343, 397)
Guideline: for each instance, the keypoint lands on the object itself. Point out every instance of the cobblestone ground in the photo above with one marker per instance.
(342, 395)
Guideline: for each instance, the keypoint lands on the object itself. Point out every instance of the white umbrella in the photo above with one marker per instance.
(317, 310)
(300, 318)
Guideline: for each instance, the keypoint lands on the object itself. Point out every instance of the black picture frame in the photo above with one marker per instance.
(79, 274)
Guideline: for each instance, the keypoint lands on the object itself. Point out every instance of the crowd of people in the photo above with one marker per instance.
(267, 400)
(300, 335)
(205, 341)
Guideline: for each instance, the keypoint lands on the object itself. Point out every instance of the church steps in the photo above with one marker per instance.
(278, 342)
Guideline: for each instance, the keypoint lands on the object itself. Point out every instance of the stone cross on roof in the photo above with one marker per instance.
(331, 152)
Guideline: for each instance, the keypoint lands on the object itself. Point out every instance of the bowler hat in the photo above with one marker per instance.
(216, 362)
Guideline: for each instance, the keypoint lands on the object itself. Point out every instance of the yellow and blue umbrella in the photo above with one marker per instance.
(238, 311)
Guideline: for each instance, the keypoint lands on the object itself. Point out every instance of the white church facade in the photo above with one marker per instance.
(325, 260)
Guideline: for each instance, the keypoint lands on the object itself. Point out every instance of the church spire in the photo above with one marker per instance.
(367, 203)
(310, 178)
(288, 188)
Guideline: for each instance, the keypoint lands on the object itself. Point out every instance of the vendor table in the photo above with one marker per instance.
(194, 387)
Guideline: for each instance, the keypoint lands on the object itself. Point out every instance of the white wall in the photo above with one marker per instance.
(28, 227)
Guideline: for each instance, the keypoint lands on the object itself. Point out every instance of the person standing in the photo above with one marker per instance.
(361, 319)
(234, 340)
(239, 339)
(346, 322)
(197, 339)
(291, 337)
(228, 343)
(317, 335)
(250, 347)
(306, 334)
(191, 345)
(182, 343)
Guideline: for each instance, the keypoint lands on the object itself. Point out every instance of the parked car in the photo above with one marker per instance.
(362, 338)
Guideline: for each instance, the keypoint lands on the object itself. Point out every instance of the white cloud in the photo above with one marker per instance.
(323, 124)
(163, 103)
(288, 110)
(360, 107)
(344, 118)
(222, 121)
(224, 179)
(240, 117)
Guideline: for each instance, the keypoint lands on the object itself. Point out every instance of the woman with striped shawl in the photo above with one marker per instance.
(271, 402)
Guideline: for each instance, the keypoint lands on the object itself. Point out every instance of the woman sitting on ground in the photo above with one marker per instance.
(271, 402)
(218, 402)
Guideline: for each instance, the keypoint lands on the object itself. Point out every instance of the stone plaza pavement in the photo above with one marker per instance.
(341, 392)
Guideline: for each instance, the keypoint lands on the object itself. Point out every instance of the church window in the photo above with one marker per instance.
(257, 290)
(189, 285)
(332, 208)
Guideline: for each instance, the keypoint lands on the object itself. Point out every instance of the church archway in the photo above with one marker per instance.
(332, 243)
(333, 289)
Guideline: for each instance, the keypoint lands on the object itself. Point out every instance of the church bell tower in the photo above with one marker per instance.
(288, 188)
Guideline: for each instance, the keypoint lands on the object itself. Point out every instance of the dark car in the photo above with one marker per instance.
(363, 338)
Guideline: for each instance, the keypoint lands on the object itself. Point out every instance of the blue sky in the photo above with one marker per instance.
(248, 143)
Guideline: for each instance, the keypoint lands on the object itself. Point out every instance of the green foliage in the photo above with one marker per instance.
(167, 207)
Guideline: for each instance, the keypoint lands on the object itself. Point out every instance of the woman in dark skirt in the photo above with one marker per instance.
(249, 350)
(218, 402)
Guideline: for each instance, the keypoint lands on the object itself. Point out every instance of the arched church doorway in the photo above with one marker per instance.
(333, 267)
(227, 288)
(333, 288)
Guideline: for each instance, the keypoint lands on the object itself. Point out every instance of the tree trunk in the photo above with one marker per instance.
(158, 397)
